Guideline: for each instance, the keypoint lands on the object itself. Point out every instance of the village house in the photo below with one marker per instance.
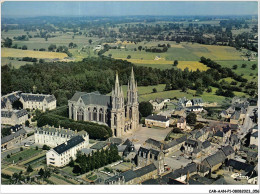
(61, 155)
(174, 145)
(133, 176)
(126, 148)
(13, 117)
(41, 102)
(214, 161)
(53, 137)
(8, 99)
(158, 103)
(197, 102)
(181, 123)
(152, 143)
(185, 102)
(18, 133)
(146, 156)
(157, 121)
(195, 109)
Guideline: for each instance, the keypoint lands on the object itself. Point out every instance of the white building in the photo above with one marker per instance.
(62, 154)
(38, 101)
(13, 117)
(52, 136)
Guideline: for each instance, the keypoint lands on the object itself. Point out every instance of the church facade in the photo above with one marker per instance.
(108, 110)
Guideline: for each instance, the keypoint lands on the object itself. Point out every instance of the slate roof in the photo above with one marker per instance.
(181, 120)
(145, 170)
(219, 134)
(143, 150)
(206, 144)
(86, 151)
(228, 150)
(240, 165)
(60, 131)
(196, 100)
(37, 97)
(154, 142)
(128, 175)
(174, 142)
(11, 97)
(191, 142)
(158, 118)
(127, 142)
(235, 115)
(255, 134)
(115, 140)
(154, 152)
(70, 144)
(121, 148)
(216, 158)
(98, 145)
(191, 167)
(9, 113)
(92, 98)
(13, 136)
(151, 182)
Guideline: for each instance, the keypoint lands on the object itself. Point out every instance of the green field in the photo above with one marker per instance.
(14, 63)
(25, 154)
(146, 93)
(246, 71)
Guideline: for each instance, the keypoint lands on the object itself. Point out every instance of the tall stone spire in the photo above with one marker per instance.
(132, 76)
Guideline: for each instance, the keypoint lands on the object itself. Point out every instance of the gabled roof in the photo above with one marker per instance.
(158, 118)
(10, 113)
(92, 98)
(37, 97)
(145, 170)
(154, 142)
(216, 158)
(151, 182)
(197, 100)
(98, 145)
(143, 150)
(127, 142)
(13, 135)
(181, 120)
(70, 144)
(235, 115)
(255, 134)
(219, 134)
(191, 167)
(228, 150)
(206, 144)
(240, 165)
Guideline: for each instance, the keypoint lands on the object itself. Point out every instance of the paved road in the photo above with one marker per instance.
(248, 123)
(9, 151)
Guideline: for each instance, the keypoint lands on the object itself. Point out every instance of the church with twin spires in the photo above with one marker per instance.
(108, 110)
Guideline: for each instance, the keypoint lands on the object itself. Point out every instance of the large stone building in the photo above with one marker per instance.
(108, 110)
(52, 136)
(42, 102)
(13, 117)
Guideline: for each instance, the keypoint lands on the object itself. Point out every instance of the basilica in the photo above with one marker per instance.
(108, 110)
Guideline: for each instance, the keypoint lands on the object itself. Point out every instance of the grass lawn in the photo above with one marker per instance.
(68, 170)
(25, 154)
(15, 169)
(64, 179)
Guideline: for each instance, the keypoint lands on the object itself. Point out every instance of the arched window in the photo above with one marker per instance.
(95, 114)
(130, 113)
(72, 111)
(101, 115)
(106, 117)
(89, 114)
(115, 120)
(80, 115)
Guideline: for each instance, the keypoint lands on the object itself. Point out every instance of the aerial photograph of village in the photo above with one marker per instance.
(129, 93)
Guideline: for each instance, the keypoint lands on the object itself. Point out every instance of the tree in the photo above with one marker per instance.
(191, 118)
(29, 169)
(21, 148)
(243, 65)
(24, 47)
(167, 86)
(234, 67)
(27, 123)
(128, 57)
(199, 126)
(253, 67)
(154, 90)
(8, 42)
(41, 172)
(8, 156)
(20, 158)
(52, 47)
(41, 61)
(140, 48)
(145, 108)
(36, 147)
(199, 91)
(45, 147)
(71, 163)
(71, 45)
(175, 63)
(90, 41)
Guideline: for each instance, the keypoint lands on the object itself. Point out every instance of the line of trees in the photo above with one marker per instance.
(94, 160)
